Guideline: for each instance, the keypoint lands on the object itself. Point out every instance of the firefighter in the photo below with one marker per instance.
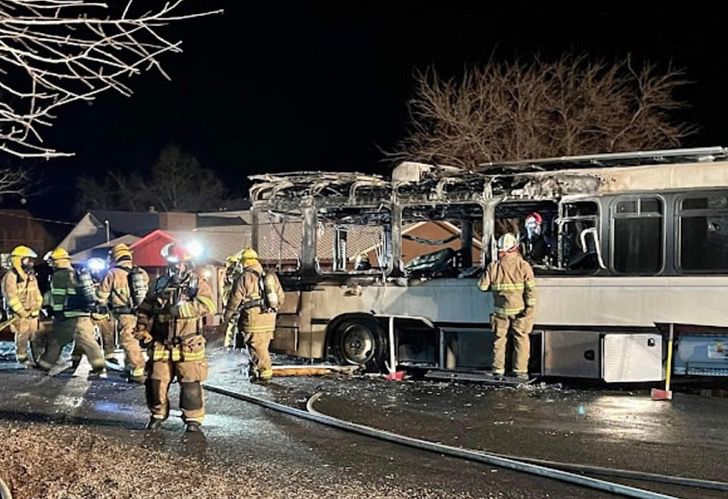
(72, 301)
(100, 317)
(23, 301)
(511, 280)
(233, 270)
(537, 248)
(255, 296)
(122, 290)
(169, 323)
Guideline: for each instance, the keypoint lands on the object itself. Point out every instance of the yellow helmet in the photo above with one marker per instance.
(120, 251)
(249, 255)
(17, 256)
(507, 242)
(235, 257)
(23, 252)
(57, 255)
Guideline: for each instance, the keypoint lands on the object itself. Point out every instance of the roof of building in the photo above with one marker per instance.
(102, 250)
(127, 222)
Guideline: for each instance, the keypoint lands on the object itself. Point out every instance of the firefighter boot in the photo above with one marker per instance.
(154, 423)
(193, 427)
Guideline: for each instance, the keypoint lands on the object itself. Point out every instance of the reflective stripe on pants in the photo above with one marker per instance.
(518, 329)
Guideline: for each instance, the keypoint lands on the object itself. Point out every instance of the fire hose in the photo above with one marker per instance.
(5, 490)
(565, 472)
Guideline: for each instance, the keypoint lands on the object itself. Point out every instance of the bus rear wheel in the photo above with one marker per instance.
(360, 342)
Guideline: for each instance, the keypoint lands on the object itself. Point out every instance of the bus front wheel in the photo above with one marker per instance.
(361, 343)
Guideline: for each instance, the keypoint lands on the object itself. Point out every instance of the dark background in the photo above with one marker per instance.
(272, 87)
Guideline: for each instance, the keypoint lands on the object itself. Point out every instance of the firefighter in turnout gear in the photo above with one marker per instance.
(72, 301)
(513, 285)
(233, 270)
(23, 301)
(100, 317)
(170, 323)
(256, 296)
(123, 289)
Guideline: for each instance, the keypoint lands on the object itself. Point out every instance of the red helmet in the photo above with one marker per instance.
(176, 253)
(536, 217)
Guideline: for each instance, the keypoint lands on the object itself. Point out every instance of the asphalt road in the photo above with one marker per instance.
(67, 437)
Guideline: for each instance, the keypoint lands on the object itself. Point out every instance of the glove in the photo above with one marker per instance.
(145, 339)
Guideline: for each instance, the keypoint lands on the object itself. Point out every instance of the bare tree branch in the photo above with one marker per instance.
(175, 183)
(515, 110)
(56, 52)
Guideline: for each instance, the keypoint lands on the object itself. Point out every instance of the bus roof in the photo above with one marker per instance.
(549, 178)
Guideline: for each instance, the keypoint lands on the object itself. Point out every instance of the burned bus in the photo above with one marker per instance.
(382, 272)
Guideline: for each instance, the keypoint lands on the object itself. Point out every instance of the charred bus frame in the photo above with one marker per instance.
(618, 260)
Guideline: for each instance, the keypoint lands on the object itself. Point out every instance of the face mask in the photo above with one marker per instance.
(178, 272)
(27, 266)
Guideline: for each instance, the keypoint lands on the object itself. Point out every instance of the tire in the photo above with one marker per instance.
(360, 342)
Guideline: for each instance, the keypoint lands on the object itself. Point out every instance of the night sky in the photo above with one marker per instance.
(270, 87)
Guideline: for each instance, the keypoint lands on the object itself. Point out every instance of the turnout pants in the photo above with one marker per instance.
(108, 336)
(518, 328)
(106, 333)
(258, 343)
(79, 330)
(167, 364)
(26, 330)
(126, 323)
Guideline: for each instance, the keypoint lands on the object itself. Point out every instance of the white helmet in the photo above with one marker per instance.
(507, 242)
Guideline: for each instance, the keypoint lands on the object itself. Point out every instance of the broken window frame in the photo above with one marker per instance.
(596, 231)
(463, 224)
(255, 236)
(385, 264)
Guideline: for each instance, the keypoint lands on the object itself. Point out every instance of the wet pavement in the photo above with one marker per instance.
(88, 438)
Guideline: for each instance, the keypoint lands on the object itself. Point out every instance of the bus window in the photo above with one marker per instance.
(442, 240)
(352, 241)
(637, 235)
(534, 223)
(578, 240)
(279, 240)
(703, 233)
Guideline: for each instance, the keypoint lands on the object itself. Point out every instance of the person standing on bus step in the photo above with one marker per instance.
(123, 288)
(513, 285)
(23, 302)
(169, 321)
(72, 308)
(256, 295)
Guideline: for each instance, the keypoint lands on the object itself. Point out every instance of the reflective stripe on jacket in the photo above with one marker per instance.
(512, 283)
(22, 295)
(246, 289)
(159, 311)
(64, 292)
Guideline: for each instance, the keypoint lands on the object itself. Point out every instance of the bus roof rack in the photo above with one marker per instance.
(694, 155)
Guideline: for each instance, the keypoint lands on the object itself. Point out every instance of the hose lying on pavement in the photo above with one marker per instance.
(5, 490)
(482, 457)
(593, 470)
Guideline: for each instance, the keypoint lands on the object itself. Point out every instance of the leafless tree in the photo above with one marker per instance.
(177, 183)
(510, 111)
(56, 52)
(180, 183)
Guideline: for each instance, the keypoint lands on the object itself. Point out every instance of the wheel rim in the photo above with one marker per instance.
(358, 344)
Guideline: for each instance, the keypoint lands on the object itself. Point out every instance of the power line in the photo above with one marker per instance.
(47, 220)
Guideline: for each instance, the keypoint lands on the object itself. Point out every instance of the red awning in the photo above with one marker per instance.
(147, 250)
